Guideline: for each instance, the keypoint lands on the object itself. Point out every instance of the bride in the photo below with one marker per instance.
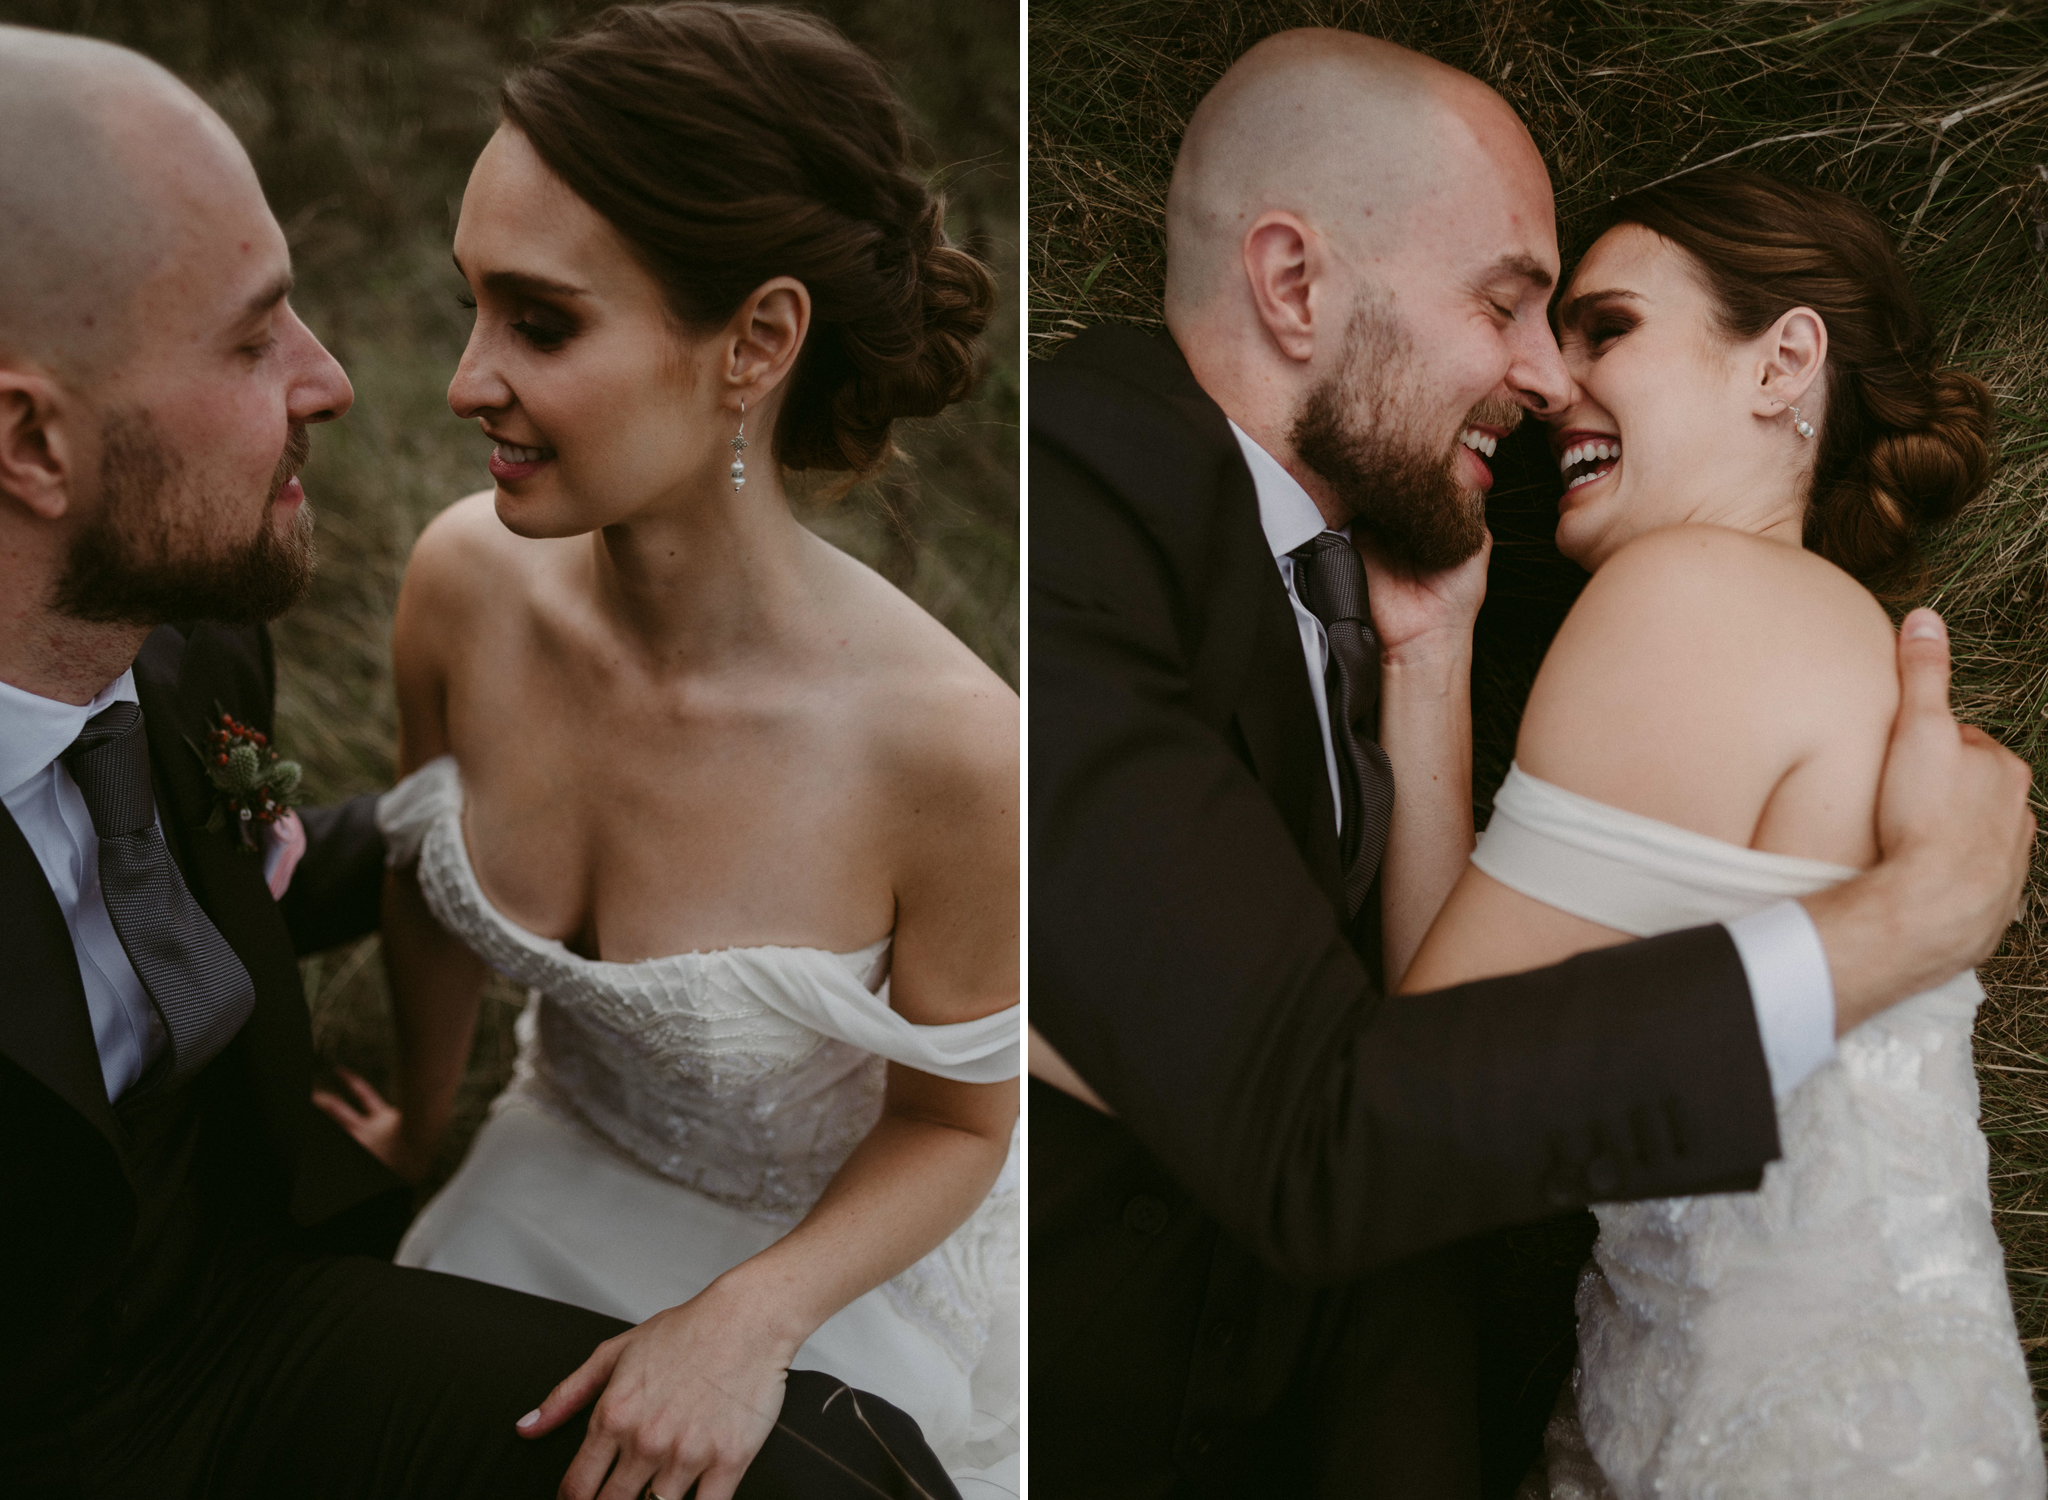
(1758, 426)
(741, 816)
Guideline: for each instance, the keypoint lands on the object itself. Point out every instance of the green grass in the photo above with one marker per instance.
(363, 118)
(1933, 114)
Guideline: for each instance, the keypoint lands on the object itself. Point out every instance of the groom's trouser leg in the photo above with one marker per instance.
(353, 1379)
(1391, 1386)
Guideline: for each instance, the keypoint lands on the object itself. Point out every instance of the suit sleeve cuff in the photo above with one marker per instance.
(1792, 989)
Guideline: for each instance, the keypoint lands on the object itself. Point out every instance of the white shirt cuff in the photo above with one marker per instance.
(1792, 988)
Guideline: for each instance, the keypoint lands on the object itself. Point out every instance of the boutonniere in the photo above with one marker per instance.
(251, 784)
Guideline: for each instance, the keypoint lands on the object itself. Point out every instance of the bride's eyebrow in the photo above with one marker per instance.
(518, 282)
(1571, 310)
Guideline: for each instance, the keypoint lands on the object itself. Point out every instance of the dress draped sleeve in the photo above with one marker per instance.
(408, 810)
(1625, 871)
(827, 998)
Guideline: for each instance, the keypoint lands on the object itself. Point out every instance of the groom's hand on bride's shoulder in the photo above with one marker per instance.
(1956, 832)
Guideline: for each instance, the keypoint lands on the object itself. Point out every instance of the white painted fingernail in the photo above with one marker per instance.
(529, 1419)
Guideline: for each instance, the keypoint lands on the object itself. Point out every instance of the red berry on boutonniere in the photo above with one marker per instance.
(251, 783)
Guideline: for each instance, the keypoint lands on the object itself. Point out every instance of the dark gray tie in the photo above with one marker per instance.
(1330, 581)
(194, 979)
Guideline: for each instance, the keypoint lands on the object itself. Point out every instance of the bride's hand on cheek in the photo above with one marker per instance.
(688, 1397)
(1424, 615)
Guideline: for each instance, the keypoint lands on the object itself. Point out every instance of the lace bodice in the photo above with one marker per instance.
(1846, 1329)
(748, 1074)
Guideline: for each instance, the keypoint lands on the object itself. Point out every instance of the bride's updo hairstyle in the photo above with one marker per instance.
(1902, 442)
(729, 144)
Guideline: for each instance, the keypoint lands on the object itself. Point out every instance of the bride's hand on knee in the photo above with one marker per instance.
(375, 1125)
(688, 1397)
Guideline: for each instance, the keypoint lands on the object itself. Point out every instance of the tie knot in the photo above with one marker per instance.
(109, 761)
(1330, 578)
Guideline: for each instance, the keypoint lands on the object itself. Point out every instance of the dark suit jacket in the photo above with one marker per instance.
(65, 1194)
(1188, 958)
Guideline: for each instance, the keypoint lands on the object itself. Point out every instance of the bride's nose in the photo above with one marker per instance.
(477, 387)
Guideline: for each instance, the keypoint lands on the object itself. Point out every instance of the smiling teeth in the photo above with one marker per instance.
(509, 454)
(1479, 442)
(1585, 453)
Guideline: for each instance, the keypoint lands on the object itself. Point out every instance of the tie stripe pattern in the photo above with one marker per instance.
(193, 977)
(1330, 581)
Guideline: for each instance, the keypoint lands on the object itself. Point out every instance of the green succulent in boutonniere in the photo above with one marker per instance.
(251, 784)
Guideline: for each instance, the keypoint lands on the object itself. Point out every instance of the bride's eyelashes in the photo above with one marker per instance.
(1595, 332)
(542, 333)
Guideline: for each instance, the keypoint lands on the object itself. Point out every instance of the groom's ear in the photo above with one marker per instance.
(1789, 356)
(37, 448)
(1284, 265)
(766, 335)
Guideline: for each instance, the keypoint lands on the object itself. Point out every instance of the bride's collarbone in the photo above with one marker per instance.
(621, 880)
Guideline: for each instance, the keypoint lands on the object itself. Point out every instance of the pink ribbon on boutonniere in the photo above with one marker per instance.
(284, 846)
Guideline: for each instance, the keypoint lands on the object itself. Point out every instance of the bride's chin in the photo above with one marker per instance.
(525, 518)
(1575, 542)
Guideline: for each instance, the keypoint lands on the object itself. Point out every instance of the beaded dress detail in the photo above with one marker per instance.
(695, 1107)
(1846, 1329)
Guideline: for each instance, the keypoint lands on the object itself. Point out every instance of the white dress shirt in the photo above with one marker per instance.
(48, 808)
(1790, 983)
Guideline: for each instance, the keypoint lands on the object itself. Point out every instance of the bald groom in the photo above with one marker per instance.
(196, 1296)
(1257, 550)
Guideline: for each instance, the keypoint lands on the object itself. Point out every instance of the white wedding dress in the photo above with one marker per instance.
(671, 1117)
(1842, 1333)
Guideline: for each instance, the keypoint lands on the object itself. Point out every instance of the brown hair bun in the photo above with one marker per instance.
(1901, 443)
(729, 144)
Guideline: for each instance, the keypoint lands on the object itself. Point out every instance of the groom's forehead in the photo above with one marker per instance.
(137, 213)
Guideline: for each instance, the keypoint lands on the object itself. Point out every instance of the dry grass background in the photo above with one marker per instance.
(363, 118)
(1933, 114)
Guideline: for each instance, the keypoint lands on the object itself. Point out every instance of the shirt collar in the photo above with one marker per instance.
(1286, 513)
(35, 731)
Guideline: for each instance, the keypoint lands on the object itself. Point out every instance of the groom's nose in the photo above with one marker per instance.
(1538, 376)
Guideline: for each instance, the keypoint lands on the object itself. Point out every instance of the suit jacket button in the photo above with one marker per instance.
(1146, 1215)
(1601, 1176)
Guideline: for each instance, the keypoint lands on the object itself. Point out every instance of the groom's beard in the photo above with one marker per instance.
(1399, 485)
(134, 563)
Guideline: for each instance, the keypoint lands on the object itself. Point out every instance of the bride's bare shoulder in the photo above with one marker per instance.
(466, 570)
(1700, 668)
(938, 721)
(464, 556)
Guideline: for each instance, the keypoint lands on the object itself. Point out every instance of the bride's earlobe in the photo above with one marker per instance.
(1791, 354)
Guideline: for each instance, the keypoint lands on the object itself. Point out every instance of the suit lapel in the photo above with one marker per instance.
(45, 1026)
(179, 691)
(1247, 677)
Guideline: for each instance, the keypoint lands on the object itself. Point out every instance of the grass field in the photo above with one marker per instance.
(363, 117)
(1933, 114)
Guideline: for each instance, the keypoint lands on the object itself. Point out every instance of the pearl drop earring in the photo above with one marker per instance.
(1800, 425)
(740, 443)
